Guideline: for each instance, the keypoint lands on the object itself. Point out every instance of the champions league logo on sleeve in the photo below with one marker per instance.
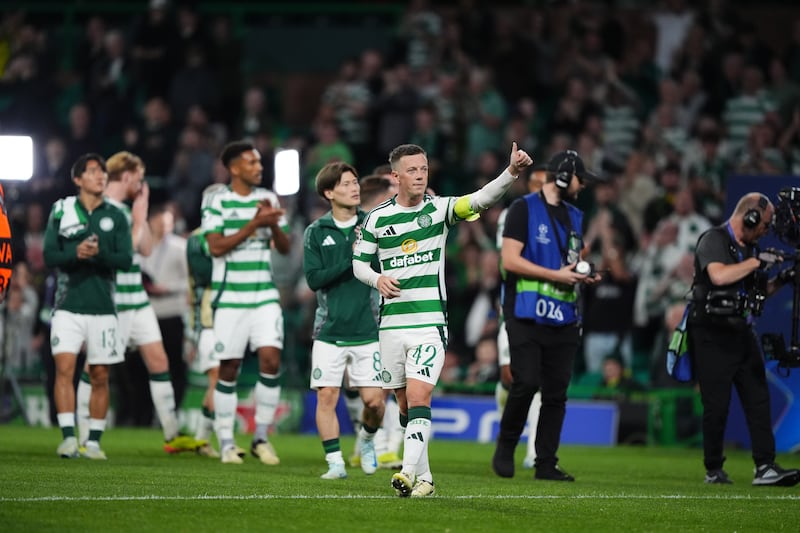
(542, 236)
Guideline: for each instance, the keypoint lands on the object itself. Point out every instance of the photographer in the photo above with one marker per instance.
(729, 288)
(541, 256)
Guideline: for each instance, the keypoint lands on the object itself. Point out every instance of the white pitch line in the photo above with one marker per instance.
(386, 497)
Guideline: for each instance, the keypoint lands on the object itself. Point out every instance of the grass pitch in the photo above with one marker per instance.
(140, 488)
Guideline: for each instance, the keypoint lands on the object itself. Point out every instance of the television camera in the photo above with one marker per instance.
(786, 226)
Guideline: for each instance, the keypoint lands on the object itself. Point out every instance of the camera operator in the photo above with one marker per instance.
(729, 288)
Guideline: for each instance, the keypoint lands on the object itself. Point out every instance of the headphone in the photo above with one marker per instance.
(564, 177)
(752, 218)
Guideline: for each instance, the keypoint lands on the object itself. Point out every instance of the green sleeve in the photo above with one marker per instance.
(119, 255)
(321, 276)
(58, 252)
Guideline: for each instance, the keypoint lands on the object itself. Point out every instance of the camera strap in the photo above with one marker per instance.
(562, 250)
(739, 255)
(742, 289)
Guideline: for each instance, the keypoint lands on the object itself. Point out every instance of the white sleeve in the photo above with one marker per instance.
(491, 193)
(364, 273)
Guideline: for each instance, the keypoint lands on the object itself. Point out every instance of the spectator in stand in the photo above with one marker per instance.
(191, 172)
(91, 48)
(17, 322)
(350, 98)
(427, 135)
(395, 108)
(419, 35)
(790, 142)
(51, 178)
(658, 259)
(708, 169)
(153, 50)
(661, 206)
(572, 108)
(155, 141)
(672, 25)
(191, 31)
(483, 370)
(255, 116)
(329, 147)
(609, 303)
(485, 111)
(619, 386)
(80, 138)
(761, 156)
(225, 58)
(504, 51)
(193, 85)
(637, 187)
(746, 108)
(791, 53)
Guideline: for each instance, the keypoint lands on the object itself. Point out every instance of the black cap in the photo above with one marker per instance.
(570, 161)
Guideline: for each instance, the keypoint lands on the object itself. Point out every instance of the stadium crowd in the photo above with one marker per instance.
(667, 101)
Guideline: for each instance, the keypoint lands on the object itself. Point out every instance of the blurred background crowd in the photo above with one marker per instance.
(667, 98)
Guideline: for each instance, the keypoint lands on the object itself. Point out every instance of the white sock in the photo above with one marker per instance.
(533, 422)
(82, 396)
(267, 397)
(205, 426)
(164, 401)
(418, 432)
(395, 433)
(225, 402)
(334, 458)
(67, 420)
(96, 428)
(423, 468)
(365, 435)
(381, 442)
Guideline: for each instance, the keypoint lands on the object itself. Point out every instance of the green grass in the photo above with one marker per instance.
(142, 489)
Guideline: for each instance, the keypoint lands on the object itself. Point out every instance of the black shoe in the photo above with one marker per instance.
(503, 461)
(552, 473)
(717, 477)
(771, 474)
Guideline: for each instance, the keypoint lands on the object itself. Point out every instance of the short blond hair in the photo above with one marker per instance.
(122, 162)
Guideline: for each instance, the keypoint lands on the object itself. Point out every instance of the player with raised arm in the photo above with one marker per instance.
(408, 235)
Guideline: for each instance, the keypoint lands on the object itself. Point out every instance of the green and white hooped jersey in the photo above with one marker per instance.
(242, 278)
(410, 245)
(129, 291)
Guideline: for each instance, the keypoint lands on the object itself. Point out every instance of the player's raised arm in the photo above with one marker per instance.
(470, 206)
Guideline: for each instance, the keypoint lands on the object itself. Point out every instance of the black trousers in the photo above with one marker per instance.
(172, 335)
(727, 356)
(541, 358)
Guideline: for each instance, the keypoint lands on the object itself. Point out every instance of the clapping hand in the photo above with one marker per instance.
(266, 215)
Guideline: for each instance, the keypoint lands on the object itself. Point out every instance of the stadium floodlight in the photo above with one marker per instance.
(16, 157)
(287, 172)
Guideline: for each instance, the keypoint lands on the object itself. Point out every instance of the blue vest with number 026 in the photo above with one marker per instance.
(546, 302)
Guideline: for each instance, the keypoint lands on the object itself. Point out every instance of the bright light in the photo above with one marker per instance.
(16, 157)
(287, 172)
